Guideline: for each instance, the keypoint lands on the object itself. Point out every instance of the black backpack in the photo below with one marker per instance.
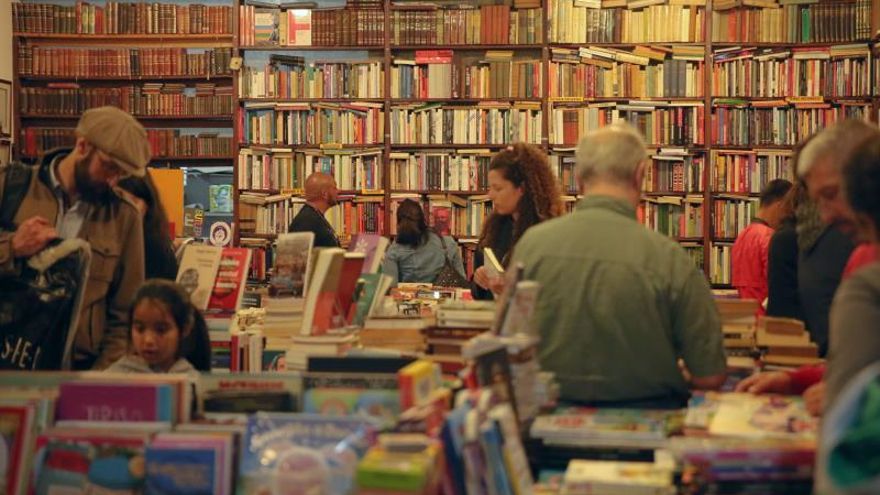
(39, 305)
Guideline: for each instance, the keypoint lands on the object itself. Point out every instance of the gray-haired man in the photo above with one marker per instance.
(619, 304)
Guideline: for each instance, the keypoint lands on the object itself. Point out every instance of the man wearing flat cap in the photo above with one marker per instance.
(70, 195)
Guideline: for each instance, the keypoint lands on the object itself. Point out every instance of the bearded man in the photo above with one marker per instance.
(70, 195)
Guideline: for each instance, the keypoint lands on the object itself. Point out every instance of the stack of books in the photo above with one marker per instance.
(786, 343)
(583, 477)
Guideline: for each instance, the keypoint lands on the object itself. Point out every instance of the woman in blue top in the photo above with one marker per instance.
(418, 253)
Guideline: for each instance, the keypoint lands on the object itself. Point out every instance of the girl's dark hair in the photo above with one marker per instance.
(525, 166)
(159, 256)
(195, 345)
(861, 175)
(412, 228)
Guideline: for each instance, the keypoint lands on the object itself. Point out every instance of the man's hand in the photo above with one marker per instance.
(814, 398)
(481, 278)
(772, 382)
(32, 236)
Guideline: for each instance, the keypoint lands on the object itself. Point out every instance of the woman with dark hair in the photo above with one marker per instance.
(524, 192)
(782, 261)
(159, 258)
(418, 253)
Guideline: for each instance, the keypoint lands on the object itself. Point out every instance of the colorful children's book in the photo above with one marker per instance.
(315, 454)
(90, 461)
(124, 402)
(762, 417)
(190, 463)
(417, 381)
(386, 471)
(584, 426)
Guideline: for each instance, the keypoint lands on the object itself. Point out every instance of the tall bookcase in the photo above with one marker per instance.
(722, 92)
(166, 63)
(410, 99)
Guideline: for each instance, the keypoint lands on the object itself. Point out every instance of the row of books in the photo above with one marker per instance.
(572, 22)
(675, 123)
(799, 22)
(675, 171)
(720, 265)
(122, 18)
(838, 71)
(673, 216)
(672, 170)
(348, 26)
(434, 74)
(732, 214)
(440, 171)
(454, 25)
(484, 124)
(738, 172)
(163, 142)
(290, 77)
(286, 170)
(122, 62)
(317, 123)
(357, 214)
(149, 99)
(265, 214)
(590, 73)
(778, 123)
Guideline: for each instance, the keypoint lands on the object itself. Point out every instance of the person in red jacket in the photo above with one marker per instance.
(752, 246)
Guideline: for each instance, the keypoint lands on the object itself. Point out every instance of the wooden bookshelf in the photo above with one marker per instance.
(58, 107)
(388, 52)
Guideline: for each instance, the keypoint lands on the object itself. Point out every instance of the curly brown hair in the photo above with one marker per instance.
(525, 166)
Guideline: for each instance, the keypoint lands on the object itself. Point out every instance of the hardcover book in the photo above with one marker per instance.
(198, 272)
(315, 454)
(123, 402)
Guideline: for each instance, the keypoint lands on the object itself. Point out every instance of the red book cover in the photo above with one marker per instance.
(230, 282)
(15, 423)
(93, 401)
(351, 271)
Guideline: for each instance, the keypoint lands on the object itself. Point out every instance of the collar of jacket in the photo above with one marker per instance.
(46, 164)
(614, 204)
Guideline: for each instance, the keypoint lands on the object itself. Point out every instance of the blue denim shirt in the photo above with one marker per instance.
(421, 264)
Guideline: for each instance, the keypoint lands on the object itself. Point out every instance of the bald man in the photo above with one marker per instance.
(321, 194)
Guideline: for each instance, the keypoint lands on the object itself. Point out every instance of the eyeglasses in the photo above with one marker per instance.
(110, 168)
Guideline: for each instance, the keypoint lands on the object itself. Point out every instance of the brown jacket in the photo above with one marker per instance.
(115, 235)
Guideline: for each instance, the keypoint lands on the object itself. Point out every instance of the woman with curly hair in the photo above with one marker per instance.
(524, 192)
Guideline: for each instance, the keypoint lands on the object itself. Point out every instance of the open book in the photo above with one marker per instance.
(490, 261)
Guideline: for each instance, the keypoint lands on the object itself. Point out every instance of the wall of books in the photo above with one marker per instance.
(400, 99)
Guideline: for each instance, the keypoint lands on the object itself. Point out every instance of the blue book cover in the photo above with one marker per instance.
(176, 471)
(318, 454)
(493, 448)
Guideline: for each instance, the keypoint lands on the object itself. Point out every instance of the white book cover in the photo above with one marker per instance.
(290, 277)
(198, 271)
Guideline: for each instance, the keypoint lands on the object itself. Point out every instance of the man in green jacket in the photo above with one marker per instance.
(70, 195)
(620, 304)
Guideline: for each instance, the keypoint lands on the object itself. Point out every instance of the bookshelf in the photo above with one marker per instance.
(165, 63)
(410, 100)
(722, 93)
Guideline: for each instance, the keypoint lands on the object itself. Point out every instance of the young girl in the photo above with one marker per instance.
(168, 334)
